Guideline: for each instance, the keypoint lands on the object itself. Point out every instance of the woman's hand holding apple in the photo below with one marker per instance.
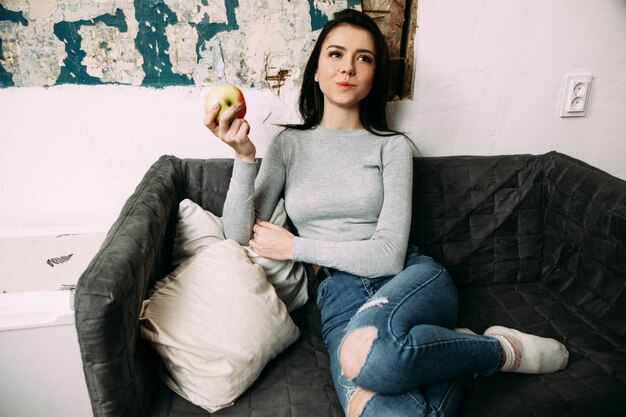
(228, 125)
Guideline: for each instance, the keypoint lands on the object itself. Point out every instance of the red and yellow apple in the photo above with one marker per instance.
(228, 96)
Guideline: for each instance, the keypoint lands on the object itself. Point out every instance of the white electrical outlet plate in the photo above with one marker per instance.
(575, 95)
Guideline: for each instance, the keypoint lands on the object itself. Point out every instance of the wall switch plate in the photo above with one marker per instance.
(575, 95)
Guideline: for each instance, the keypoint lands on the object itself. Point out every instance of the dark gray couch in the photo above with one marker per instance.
(533, 242)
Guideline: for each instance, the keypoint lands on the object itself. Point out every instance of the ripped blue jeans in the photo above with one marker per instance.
(417, 364)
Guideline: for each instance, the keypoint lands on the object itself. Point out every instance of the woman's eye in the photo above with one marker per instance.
(366, 58)
(335, 54)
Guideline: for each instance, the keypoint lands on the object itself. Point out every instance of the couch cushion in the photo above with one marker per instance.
(594, 381)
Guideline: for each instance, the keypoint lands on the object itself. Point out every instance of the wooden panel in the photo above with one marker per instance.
(390, 17)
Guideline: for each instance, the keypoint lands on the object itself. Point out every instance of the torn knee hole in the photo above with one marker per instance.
(354, 350)
(358, 400)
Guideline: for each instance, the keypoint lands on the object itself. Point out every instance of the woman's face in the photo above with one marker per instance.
(346, 66)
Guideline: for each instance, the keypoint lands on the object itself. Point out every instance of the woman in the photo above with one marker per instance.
(388, 312)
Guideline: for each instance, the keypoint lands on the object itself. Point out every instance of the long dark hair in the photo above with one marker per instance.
(373, 107)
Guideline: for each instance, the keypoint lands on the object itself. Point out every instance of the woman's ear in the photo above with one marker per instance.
(316, 78)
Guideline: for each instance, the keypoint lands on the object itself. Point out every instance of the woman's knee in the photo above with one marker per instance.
(355, 349)
(357, 401)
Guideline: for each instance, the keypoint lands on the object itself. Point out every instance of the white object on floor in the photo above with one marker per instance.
(41, 370)
(45, 263)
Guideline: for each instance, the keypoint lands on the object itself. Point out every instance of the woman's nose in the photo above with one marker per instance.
(348, 68)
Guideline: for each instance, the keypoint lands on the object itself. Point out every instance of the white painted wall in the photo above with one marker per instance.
(71, 155)
(488, 80)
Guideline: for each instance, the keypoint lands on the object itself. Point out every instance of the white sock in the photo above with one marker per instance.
(464, 330)
(529, 354)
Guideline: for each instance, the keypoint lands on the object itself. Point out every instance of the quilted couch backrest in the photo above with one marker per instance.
(480, 216)
(207, 181)
(585, 239)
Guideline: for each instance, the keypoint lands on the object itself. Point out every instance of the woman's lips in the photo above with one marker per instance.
(345, 85)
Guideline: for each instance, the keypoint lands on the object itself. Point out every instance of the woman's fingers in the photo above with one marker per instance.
(239, 130)
(231, 130)
(271, 240)
(210, 120)
(263, 228)
(227, 117)
(263, 223)
(220, 125)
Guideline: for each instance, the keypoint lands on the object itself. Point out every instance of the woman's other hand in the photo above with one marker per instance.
(232, 131)
(271, 241)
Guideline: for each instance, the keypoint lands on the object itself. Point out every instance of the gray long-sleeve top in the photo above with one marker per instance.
(348, 193)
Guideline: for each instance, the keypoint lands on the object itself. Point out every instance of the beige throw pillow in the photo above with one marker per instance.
(216, 322)
(198, 229)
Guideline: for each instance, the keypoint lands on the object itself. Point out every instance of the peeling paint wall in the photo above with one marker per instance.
(159, 42)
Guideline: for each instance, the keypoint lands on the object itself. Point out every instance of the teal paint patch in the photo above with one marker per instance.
(12, 16)
(318, 19)
(207, 30)
(74, 72)
(153, 18)
(151, 41)
(6, 78)
(354, 4)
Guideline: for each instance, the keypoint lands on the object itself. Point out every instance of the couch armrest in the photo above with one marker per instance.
(119, 368)
(584, 246)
